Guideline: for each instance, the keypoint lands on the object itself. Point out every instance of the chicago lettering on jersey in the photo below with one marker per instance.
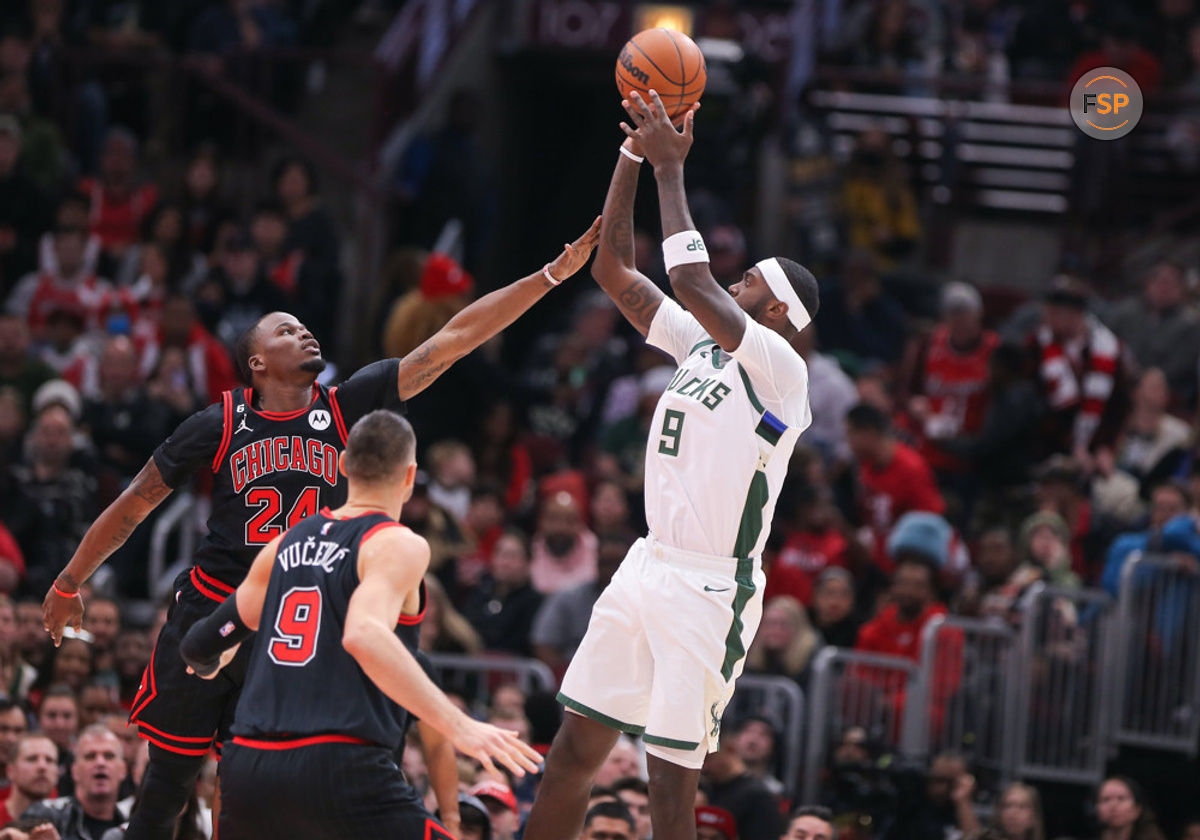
(312, 553)
(283, 452)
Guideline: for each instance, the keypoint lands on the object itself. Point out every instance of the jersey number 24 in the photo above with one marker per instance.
(261, 527)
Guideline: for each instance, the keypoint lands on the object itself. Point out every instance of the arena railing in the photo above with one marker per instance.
(781, 700)
(853, 689)
(1059, 690)
(476, 677)
(179, 524)
(1157, 654)
(957, 700)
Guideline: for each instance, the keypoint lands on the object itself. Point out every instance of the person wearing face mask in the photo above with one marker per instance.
(1123, 813)
(564, 550)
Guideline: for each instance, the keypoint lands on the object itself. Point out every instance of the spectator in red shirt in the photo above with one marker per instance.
(897, 629)
(893, 478)
(815, 539)
(33, 773)
(118, 201)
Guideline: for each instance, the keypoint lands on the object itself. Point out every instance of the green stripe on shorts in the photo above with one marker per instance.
(670, 743)
(599, 717)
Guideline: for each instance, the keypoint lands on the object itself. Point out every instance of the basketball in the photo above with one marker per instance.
(665, 61)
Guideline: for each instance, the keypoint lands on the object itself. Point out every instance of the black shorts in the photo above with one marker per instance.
(176, 710)
(320, 791)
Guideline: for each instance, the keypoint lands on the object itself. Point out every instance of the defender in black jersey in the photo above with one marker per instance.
(317, 728)
(271, 449)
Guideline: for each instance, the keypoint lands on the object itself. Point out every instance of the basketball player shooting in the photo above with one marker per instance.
(668, 637)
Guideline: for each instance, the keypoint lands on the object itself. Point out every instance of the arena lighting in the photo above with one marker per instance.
(663, 16)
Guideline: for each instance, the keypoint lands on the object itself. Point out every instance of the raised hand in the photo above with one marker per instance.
(661, 144)
(575, 254)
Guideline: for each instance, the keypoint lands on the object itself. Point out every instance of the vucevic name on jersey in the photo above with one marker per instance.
(298, 648)
(269, 470)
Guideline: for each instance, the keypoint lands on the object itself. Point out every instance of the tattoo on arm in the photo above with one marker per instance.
(620, 239)
(420, 367)
(149, 487)
(639, 301)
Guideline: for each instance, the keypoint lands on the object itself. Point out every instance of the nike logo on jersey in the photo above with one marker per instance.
(710, 589)
(242, 427)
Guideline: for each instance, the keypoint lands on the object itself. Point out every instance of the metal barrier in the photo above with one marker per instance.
(1156, 660)
(780, 699)
(850, 688)
(1059, 695)
(957, 700)
(477, 676)
(183, 516)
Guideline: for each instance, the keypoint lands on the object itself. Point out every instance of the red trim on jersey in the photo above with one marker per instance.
(295, 743)
(382, 526)
(211, 594)
(188, 739)
(220, 586)
(423, 601)
(171, 748)
(337, 415)
(432, 826)
(290, 415)
(227, 431)
(328, 514)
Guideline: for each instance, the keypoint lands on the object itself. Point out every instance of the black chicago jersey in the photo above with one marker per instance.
(300, 680)
(269, 470)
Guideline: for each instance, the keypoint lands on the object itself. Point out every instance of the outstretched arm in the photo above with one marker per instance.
(693, 283)
(63, 604)
(488, 316)
(632, 292)
(391, 565)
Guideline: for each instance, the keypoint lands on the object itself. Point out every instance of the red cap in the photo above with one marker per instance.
(718, 818)
(494, 790)
(443, 277)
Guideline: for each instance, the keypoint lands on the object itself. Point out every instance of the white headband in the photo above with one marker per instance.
(778, 283)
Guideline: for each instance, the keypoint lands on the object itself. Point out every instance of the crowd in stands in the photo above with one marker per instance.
(960, 452)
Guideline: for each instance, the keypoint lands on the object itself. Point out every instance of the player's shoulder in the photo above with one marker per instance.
(394, 538)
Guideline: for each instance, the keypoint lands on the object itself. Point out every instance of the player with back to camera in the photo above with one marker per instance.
(682, 609)
(314, 733)
(272, 448)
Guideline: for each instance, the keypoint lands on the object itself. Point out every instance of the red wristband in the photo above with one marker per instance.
(62, 594)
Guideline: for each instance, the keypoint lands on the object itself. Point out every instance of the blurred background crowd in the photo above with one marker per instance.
(169, 172)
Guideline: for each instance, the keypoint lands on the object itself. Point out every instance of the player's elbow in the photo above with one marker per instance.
(357, 637)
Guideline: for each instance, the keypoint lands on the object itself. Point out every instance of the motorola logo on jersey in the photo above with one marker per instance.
(283, 452)
(319, 419)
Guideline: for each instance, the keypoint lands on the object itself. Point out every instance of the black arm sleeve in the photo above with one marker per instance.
(191, 446)
(212, 635)
(372, 387)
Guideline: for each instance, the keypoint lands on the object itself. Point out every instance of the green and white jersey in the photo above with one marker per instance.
(722, 435)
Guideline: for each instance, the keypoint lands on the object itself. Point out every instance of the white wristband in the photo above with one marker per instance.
(549, 277)
(684, 248)
(630, 155)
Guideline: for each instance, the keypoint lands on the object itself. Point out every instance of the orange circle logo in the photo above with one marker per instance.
(1106, 103)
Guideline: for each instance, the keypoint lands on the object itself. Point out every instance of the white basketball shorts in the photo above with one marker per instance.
(665, 643)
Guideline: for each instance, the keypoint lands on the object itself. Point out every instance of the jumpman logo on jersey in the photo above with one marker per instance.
(242, 427)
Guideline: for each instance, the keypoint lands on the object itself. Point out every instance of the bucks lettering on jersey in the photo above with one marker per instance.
(714, 429)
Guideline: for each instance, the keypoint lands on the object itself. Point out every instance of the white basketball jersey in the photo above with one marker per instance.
(724, 417)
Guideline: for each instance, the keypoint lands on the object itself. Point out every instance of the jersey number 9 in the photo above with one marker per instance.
(297, 626)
